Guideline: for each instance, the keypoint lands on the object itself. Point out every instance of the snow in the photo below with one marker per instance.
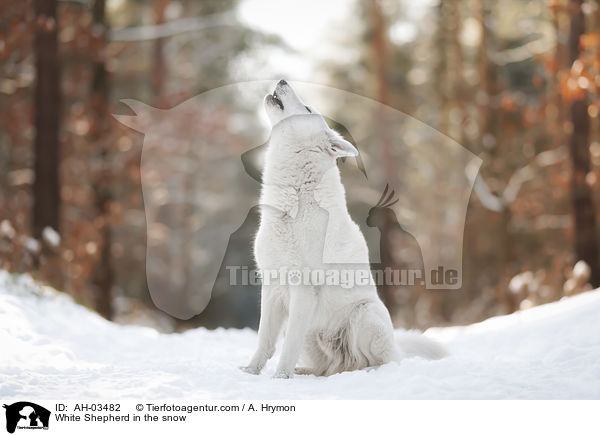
(59, 349)
(33, 245)
(7, 230)
(51, 237)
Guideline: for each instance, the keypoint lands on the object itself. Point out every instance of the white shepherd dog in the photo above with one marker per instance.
(305, 225)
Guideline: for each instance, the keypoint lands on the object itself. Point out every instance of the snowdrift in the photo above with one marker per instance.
(58, 349)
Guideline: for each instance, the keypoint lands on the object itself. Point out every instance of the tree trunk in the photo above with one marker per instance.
(586, 246)
(379, 57)
(103, 274)
(159, 72)
(46, 187)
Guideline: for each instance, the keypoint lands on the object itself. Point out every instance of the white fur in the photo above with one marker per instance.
(305, 224)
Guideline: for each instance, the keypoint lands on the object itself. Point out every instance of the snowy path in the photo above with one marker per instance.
(61, 350)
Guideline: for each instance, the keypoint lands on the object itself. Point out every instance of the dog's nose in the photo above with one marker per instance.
(282, 82)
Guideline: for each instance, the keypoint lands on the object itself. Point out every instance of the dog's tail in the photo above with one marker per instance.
(414, 343)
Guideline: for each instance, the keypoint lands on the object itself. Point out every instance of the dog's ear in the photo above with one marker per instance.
(339, 147)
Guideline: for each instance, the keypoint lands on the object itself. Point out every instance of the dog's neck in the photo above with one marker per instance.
(290, 179)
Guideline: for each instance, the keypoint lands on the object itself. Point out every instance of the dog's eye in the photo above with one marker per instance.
(309, 111)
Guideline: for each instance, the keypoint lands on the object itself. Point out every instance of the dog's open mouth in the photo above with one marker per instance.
(275, 99)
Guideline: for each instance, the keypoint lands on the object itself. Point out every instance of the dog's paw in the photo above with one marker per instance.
(303, 371)
(250, 370)
(280, 373)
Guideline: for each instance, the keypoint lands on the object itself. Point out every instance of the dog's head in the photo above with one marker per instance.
(284, 102)
(293, 118)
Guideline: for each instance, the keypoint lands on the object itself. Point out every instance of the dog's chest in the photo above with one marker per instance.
(290, 241)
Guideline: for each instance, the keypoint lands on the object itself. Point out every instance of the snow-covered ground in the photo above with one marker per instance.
(59, 350)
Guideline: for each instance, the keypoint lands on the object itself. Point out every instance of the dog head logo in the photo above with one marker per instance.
(26, 415)
(201, 174)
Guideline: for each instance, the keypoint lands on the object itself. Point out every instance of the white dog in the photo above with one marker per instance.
(305, 225)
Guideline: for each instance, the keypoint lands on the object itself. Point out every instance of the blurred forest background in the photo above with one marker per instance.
(516, 82)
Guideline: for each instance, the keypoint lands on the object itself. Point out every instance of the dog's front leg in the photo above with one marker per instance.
(302, 305)
(272, 314)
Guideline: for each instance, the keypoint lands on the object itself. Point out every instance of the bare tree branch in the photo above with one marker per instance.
(498, 203)
(171, 28)
(488, 199)
(526, 173)
(544, 43)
